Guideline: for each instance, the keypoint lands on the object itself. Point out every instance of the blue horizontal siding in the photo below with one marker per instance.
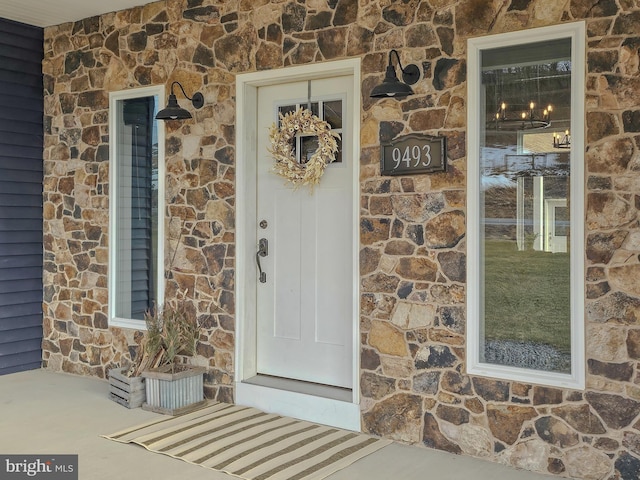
(20, 249)
(32, 151)
(9, 77)
(20, 30)
(19, 298)
(10, 312)
(21, 175)
(32, 323)
(21, 261)
(26, 214)
(20, 187)
(18, 282)
(20, 362)
(21, 104)
(21, 126)
(33, 223)
(20, 346)
(9, 162)
(20, 200)
(22, 335)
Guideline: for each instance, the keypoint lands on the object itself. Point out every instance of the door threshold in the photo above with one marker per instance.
(299, 386)
(306, 401)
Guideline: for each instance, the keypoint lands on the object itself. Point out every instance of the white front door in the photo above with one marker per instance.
(557, 223)
(304, 308)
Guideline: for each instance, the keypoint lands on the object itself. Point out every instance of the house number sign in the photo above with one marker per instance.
(414, 153)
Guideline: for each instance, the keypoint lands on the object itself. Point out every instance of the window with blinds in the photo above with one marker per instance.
(136, 209)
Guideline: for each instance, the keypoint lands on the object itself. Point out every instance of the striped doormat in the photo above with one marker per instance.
(251, 444)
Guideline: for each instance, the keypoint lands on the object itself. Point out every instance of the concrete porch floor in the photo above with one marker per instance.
(47, 413)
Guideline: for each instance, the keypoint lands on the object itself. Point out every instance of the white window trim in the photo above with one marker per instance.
(114, 97)
(576, 379)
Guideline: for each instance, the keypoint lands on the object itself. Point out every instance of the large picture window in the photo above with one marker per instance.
(136, 206)
(525, 206)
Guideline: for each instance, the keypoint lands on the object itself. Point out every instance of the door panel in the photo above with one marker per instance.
(334, 303)
(287, 244)
(305, 307)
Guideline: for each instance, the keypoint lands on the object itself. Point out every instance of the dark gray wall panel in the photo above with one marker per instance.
(21, 144)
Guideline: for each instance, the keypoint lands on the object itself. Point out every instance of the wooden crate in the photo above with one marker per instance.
(127, 391)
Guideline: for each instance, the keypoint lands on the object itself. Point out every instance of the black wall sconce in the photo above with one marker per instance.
(173, 111)
(391, 86)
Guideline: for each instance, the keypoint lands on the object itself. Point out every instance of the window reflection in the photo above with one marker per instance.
(525, 224)
(304, 146)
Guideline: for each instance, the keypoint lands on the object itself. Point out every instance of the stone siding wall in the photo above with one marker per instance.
(413, 254)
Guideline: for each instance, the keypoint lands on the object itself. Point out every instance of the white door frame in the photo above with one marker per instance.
(321, 409)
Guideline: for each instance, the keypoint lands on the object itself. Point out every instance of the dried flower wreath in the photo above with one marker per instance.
(302, 122)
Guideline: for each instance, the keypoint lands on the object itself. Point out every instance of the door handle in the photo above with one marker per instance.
(263, 251)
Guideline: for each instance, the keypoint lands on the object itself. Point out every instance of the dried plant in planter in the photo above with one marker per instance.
(171, 387)
(172, 331)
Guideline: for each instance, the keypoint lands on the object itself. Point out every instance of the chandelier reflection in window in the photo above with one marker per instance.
(562, 141)
(508, 118)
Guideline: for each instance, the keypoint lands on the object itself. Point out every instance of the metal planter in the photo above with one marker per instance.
(174, 393)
